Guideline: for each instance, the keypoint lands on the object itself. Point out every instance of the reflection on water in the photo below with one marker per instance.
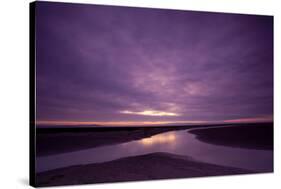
(159, 139)
(176, 142)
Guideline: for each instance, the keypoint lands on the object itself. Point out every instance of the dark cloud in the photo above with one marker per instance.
(93, 62)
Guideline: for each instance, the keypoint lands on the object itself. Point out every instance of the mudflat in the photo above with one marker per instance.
(144, 167)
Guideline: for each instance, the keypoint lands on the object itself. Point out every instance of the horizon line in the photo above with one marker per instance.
(151, 123)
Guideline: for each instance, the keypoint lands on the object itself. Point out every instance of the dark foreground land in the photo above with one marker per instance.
(252, 136)
(143, 167)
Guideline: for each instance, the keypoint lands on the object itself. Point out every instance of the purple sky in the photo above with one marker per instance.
(115, 64)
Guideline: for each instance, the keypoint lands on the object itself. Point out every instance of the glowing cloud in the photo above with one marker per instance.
(150, 113)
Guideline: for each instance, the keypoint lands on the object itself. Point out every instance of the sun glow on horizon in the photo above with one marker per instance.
(150, 113)
(268, 118)
(115, 123)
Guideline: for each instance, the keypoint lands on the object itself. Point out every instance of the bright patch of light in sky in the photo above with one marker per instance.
(150, 113)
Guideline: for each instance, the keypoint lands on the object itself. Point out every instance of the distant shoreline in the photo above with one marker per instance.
(91, 126)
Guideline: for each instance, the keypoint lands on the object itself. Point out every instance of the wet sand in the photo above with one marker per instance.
(143, 167)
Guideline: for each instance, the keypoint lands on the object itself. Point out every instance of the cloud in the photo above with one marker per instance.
(103, 60)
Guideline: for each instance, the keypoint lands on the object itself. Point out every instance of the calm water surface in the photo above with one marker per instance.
(176, 142)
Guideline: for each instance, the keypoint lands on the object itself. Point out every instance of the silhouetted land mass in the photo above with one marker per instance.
(51, 141)
(251, 136)
(136, 168)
